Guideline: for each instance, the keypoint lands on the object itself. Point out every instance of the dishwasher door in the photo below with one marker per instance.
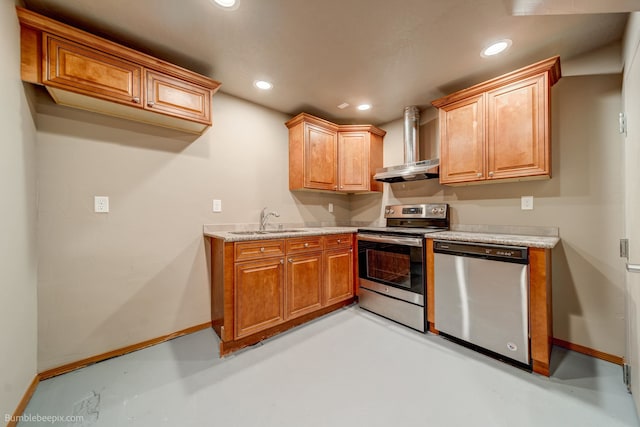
(484, 302)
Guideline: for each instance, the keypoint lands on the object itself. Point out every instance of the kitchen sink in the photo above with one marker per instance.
(249, 233)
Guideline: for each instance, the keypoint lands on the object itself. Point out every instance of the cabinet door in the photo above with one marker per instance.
(517, 139)
(304, 284)
(320, 158)
(338, 274)
(258, 296)
(353, 161)
(177, 97)
(80, 69)
(462, 155)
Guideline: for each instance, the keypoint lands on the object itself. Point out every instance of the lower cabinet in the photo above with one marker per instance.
(338, 266)
(259, 295)
(304, 284)
(263, 287)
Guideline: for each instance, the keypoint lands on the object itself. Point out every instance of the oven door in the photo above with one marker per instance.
(392, 265)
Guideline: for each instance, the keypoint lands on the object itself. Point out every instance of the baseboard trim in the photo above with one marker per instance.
(24, 401)
(69, 367)
(589, 351)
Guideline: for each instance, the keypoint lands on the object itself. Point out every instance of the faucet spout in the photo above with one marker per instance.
(264, 217)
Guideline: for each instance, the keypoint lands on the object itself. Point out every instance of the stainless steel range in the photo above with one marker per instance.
(392, 263)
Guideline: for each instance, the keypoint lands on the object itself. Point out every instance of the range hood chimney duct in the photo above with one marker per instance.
(411, 134)
(412, 169)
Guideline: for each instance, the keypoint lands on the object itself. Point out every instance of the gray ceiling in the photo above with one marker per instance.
(321, 53)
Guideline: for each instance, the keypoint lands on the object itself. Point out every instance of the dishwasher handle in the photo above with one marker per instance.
(514, 254)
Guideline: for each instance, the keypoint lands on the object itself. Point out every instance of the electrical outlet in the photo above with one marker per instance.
(101, 204)
(330, 207)
(526, 203)
(217, 205)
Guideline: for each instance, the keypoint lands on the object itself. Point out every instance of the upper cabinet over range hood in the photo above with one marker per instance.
(411, 170)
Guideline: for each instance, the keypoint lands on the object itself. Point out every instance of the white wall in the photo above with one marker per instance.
(18, 260)
(142, 270)
(584, 199)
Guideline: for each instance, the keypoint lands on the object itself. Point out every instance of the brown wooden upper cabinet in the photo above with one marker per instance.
(330, 157)
(81, 70)
(499, 130)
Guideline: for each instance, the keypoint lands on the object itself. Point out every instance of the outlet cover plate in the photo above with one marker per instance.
(526, 203)
(101, 204)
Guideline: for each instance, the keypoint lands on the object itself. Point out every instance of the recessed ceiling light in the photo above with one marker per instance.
(496, 48)
(343, 105)
(225, 3)
(364, 107)
(261, 84)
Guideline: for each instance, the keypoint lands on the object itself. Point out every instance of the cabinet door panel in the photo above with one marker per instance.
(259, 296)
(462, 141)
(320, 158)
(517, 141)
(353, 162)
(70, 66)
(304, 284)
(338, 274)
(177, 97)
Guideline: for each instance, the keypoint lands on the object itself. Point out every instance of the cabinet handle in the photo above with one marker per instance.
(282, 261)
(339, 241)
(290, 260)
(479, 175)
(262, 249)
(150, 103)
(342, 186)
(306, 245)
(136, 100)
(490, 173)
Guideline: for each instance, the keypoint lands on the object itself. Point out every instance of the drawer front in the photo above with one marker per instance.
(257, 249)
(304, 244)
(335, 241)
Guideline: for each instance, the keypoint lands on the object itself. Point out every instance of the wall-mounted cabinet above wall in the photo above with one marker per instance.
(499, 130)
(337, 158)
(84, 71)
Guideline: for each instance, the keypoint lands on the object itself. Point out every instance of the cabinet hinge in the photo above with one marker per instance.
(622, 123)
(624, 248)
(626, 374)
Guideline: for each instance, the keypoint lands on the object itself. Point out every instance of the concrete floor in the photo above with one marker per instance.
(349, 368)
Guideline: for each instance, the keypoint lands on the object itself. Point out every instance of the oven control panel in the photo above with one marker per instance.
(432, 210)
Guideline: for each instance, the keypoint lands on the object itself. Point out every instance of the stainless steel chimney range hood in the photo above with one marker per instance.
(411, 169)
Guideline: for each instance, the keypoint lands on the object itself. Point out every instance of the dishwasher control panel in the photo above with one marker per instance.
(517, 254)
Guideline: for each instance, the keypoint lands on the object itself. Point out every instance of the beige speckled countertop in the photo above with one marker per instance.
(545, 242)
(535, 237)
(234, 236)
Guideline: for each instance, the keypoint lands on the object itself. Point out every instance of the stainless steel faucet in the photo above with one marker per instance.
(264, 217)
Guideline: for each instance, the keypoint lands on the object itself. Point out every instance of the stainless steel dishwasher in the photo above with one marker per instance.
(482, 296)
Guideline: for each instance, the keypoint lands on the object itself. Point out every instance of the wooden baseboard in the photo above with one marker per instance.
(589, 351)
(118, 352)
(24, 402)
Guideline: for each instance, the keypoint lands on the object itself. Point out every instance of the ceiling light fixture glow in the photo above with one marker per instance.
(364, 107)
(262, 84)
(496, 48)
(225, 3)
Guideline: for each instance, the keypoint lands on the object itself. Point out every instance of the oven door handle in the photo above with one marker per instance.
(397, 240)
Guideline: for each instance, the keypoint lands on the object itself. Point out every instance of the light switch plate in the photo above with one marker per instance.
(101, 204)
(526, 203)
(217, 205)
